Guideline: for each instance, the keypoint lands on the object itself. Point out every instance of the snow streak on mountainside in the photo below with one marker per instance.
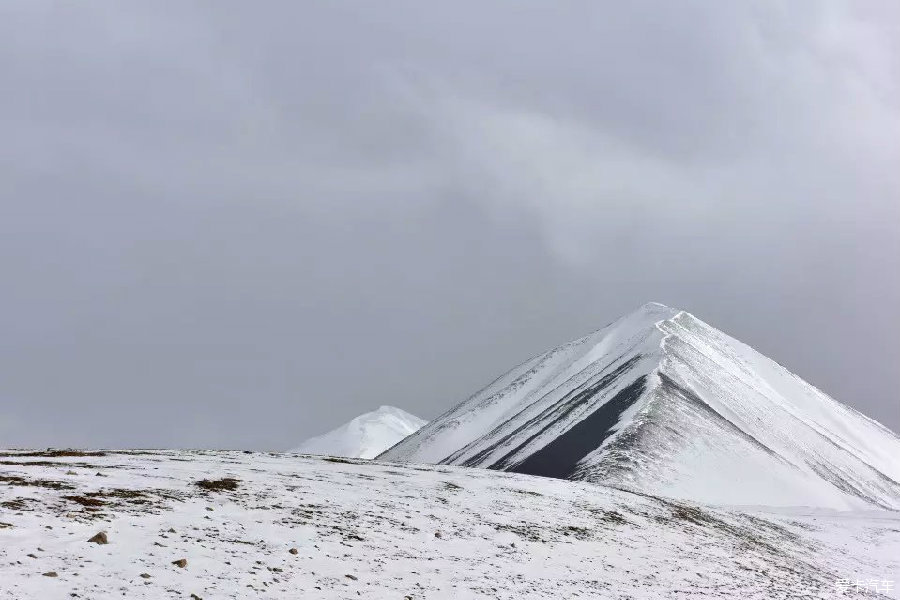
(661, 402)
(366, 436)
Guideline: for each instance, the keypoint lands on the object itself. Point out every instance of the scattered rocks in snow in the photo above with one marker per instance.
(42, 483)
(100, 538)
(65, 453)
(397, 508)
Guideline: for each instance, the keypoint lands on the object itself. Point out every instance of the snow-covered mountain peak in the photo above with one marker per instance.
(365, 436)
(656, 307)
(663, 402)
(642, 323)
(648, 314)
(385, 411)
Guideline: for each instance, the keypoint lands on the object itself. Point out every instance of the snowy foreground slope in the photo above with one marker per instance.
(363, 529)
(661, 402)
(366, 436)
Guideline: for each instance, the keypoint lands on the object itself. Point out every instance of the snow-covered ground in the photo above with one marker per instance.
(365, 529)
(661, 402)
(366, 436)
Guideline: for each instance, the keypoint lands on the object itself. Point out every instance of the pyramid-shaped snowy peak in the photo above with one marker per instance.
(662, 403)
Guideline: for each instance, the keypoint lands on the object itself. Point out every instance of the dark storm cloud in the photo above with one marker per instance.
(231, 226)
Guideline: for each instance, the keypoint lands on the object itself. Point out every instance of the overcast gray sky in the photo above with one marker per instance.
(234, 224)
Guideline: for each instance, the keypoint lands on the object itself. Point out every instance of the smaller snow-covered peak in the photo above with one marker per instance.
(385, 409)
(365, 436)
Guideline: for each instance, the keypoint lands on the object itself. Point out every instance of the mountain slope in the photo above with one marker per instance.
(366, 436)
(290, 526)
(661, 402)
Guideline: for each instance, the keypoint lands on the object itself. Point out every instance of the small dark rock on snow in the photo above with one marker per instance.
(226, 484)
(100, 538)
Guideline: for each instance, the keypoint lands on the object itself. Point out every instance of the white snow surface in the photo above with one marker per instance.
(663, 403)
(364, 529)
(366, 436)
